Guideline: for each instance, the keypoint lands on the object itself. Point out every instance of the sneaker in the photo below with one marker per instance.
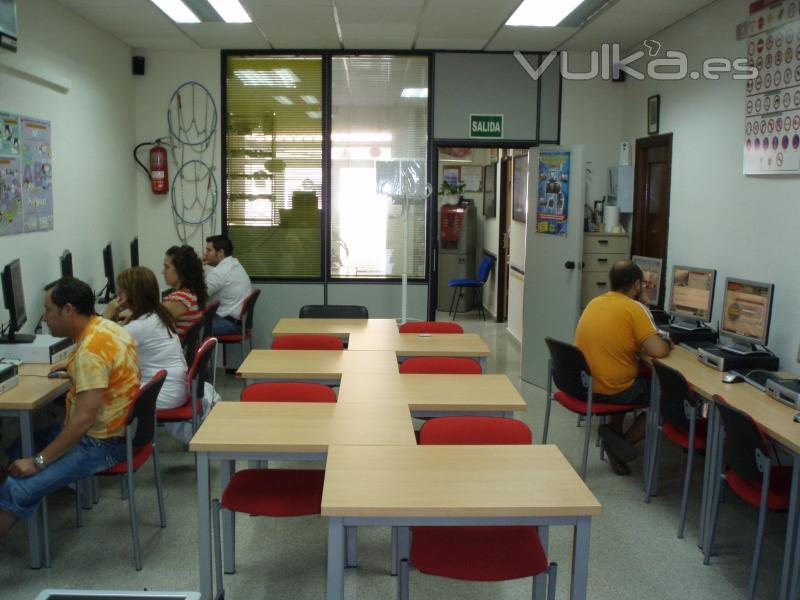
(616, 444)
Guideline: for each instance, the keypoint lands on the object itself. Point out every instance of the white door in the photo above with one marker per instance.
(553, 262)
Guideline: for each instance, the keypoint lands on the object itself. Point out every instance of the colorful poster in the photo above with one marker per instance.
(9, 134)
(10, 196)
(37, 175)
(772, 99)
(552, 208)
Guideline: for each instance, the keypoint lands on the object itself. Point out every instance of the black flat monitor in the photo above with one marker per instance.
(108, 270)
(746, 312)
(135, 252)
(66, 264)
(14, 300)
(691, 296)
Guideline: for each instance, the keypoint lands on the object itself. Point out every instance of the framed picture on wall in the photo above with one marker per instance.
(519, 189)
(472, 176)
(489, 191)
(451, 175)
(653, 109)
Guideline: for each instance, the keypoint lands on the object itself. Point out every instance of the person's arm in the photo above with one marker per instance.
(656, 347)
(175, 308)
(213, 281)
(87, 405)
(112, 310)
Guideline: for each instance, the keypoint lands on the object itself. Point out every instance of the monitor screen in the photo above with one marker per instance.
(13, 296)
(692, 292)
(108, 269)
(651, 285)
(8, 24)
(135, 252)
(66, 264)
(746, 310)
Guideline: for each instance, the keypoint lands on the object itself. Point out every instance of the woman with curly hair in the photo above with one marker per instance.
(183, 272)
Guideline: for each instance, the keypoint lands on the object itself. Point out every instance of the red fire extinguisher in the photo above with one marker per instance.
(159, 179)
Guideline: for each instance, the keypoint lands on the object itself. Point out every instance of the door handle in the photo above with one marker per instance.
(570, 264)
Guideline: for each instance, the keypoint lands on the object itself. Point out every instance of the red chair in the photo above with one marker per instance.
(209, 312)
(272, 492)
(307, 342)
(245, 335)
(140, 445)
(201, 371)
(751, 475)
(431, 327)
(568, 369)
(440, 365)
(483, 553)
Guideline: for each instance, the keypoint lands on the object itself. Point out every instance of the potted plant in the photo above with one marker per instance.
(452, 189)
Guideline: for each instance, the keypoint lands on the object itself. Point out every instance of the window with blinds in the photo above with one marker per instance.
(274, 164)
(379, 138)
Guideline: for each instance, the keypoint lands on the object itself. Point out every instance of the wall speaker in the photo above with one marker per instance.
(138, 65)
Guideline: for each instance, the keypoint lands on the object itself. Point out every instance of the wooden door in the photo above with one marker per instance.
(651, 200)
(503, 224)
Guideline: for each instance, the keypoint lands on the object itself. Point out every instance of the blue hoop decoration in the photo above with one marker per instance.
(214, 194)
(214, 113)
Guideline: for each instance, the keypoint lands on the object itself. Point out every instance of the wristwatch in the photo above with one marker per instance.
(38, 460)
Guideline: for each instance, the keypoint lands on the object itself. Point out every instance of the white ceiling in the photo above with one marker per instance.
(381, 24)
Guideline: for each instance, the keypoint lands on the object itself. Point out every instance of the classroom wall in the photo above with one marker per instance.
(743, 226)
(92, 136)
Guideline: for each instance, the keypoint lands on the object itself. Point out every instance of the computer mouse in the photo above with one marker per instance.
(732, 378)
(796, 418)
(56, 374)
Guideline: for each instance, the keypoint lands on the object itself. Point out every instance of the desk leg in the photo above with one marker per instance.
(204, 526)
(351, 543)
(705, 500)
(651, 430)
(228, 520)
(34, 521)
(712, 497)
(540, 581)
(791, 557)
(580, 559)
(336, 555)
(484, 364)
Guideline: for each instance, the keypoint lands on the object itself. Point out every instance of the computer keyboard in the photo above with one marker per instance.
(760, 376)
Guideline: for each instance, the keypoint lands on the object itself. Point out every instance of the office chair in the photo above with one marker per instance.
(191, 340)
(440, 365)
(334, 311)
(246, 333)
(307, 342)
(431, 327)
(209, 312)
(476, 285)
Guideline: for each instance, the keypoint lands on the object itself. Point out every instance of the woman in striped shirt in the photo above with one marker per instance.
(183, 272)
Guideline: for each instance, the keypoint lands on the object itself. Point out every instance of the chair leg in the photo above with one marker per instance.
(714, 514)
(549, 399)
(652, 474)
(123, 491)
(452, 302)
(687, 478)
(586, 439)
(402, 580)
(137, 555)
(552, 576)
(215, 509)
(762, 517)
(95, 490)
(162, 513)
(78, 507)
(395, 553)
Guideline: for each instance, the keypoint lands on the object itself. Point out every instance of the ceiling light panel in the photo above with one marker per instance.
(310, 99)
(230, 11)
(285, 100)
(541, 13)
(285, 78)
(177, 11)
(414, 93)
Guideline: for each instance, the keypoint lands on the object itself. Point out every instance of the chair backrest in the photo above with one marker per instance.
(273, 391)
(440, 365)
(209, 312)
(744, 441)
(474, 430)
(248, 307)
(307, 342)
(201, 369)
(485, 268)
(675, 391)
(334, 311)
(570, 371)
(431, 327)
(191, 340)
(143, 410)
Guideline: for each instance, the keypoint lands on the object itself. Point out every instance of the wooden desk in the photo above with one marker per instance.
(436, 395)
(499, 485)
(325, 366)
(34, 391)
(468, 345)
(289, 431)
(341, 328)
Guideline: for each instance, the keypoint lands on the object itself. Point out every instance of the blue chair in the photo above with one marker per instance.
(458, 286)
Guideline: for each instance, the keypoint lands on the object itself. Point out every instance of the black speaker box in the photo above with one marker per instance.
(138, 65)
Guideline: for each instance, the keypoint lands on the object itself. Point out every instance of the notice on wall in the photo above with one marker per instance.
(772, 100)
(552, 207)
(26, 189)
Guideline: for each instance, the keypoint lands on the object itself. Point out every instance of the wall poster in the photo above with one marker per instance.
(772, 99)
(552, 207)
(26, 191)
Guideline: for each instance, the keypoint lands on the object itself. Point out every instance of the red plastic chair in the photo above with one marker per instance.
(246, 334)
(484, 553)
(440, 365)
(431, 327)
(307, 342)
(272, 492)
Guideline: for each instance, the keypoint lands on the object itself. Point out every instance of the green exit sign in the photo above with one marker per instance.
(486, 126)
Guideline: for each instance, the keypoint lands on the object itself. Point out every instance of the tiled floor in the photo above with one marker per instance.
(634, 551)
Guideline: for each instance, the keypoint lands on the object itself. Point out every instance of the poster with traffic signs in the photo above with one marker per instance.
(552, 207)
(772, 99)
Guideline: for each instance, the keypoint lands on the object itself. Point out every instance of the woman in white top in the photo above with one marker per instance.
(153, 328)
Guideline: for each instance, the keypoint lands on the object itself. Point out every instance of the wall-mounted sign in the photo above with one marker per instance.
(486, 126)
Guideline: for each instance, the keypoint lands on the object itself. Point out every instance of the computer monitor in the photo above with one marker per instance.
(66, 264)
(135, 252)
(746, 311)
(651, 285)
(108, 269)
(691, 295)
(15, 304)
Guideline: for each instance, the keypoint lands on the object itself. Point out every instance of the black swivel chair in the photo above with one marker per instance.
(334, 311)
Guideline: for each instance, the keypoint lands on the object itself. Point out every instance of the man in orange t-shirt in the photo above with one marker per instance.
(614, 330)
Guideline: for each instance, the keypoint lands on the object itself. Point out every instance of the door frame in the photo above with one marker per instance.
(502, 237)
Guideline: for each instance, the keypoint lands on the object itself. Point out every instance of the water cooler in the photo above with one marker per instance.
(457, 238)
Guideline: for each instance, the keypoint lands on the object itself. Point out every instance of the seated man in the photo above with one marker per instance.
(227, 282)
(613, 331)
(105, 380)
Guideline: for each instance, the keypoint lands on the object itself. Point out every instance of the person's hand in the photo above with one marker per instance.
(22, 468)
(62, 366)
(124, 317)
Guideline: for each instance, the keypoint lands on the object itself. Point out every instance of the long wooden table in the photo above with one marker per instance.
(341, 328)
(405, 345)
(34, 391)
(324, 366)
(403, 486)
(775, 418)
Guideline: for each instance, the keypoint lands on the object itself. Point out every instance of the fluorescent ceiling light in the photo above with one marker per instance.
(285, 100)
(230, 11)
(314, 114)
(177, 11)
(414, 93)
(273, 78)
(541, 13)
(310, 99)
